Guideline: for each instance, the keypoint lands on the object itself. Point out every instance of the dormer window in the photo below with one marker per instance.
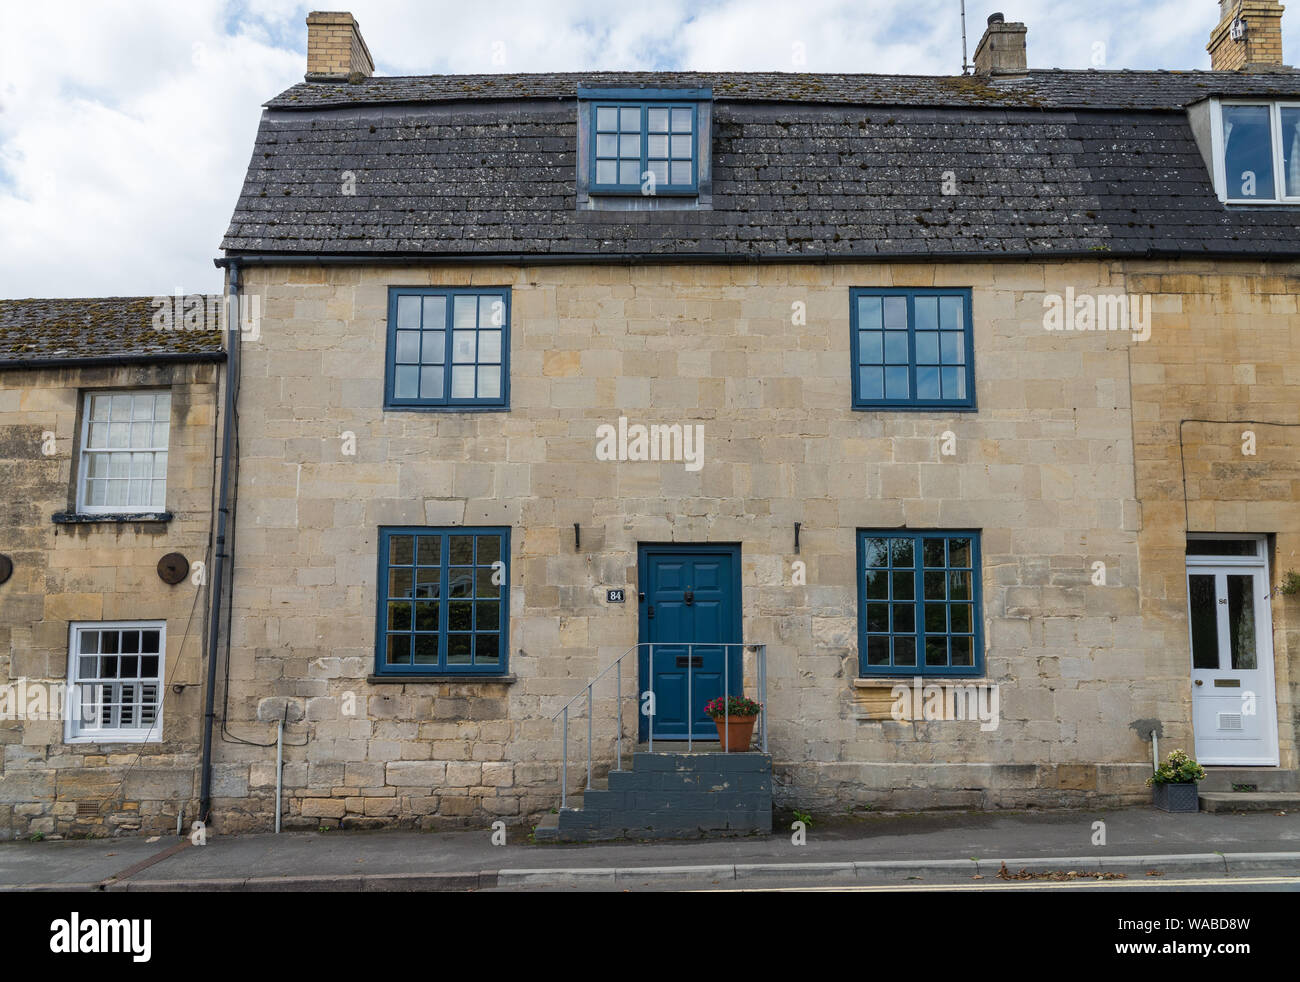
(644, 144)
(1257, 152)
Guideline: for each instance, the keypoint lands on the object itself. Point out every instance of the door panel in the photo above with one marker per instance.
(1234, 709)
(692, 602)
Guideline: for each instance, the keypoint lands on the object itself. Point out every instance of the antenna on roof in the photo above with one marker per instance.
(965, 67)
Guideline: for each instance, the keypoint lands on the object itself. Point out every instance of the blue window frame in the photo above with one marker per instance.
(919, 607)
(644, 146)
(448, 348)
(444, 601)
(912, 349)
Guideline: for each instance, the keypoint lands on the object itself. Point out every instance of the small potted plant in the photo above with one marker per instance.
(1173, 785)
(735, 717)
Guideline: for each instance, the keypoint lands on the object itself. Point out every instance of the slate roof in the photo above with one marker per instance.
(804, 166)
(101, 329)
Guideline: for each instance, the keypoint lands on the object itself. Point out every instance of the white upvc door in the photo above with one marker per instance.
(1234, 706)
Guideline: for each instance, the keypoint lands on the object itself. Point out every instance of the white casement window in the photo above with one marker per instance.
(115, 675)
(123, 467)
(1257, 152)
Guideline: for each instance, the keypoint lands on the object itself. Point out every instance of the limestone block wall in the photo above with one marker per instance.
(93, 572)
(1227, 350)
(1044, 469)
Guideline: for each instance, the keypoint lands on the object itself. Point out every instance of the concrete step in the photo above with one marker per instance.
(547, 829)
(1249, 801)
(1227, 779)
(670, 795)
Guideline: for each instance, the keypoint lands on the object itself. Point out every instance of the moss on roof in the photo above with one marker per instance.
(98, 327)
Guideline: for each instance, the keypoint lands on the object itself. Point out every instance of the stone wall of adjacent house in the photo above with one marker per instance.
(65, 573)
(1044, 469)
(1228, 350)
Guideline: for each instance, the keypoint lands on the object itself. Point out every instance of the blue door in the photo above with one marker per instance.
(690, 604)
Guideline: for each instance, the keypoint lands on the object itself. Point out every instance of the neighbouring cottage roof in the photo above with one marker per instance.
(98, 329)
(804, 166)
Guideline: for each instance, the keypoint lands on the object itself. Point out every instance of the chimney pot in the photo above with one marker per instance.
(997, 19)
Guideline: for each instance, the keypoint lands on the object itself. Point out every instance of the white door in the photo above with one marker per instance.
(1234, 710)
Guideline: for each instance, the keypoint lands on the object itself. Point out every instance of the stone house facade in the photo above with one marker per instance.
(733, 310)
(88, 387)
(879, 399)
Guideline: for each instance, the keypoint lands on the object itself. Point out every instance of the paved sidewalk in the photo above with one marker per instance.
(887, 847)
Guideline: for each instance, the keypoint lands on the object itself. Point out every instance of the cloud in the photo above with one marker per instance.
(124, 136)
(126, 128)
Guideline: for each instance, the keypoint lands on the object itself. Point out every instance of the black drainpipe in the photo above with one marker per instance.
(219, 551)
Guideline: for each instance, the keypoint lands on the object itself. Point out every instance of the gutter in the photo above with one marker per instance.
(219, 549)
(126, 361)
(641, 258)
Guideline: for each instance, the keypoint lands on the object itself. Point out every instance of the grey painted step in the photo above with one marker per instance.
(1262, 778)
(671, 795)
(1250, 801)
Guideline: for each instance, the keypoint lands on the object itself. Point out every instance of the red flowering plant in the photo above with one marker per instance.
(732, 707)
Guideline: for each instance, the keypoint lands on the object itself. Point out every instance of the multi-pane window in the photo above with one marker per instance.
(919, 603)
(912, 348)
(1260, 149)
(645, 147)
(443, 601)
(116, 671)
(448, 348)
(123, 465)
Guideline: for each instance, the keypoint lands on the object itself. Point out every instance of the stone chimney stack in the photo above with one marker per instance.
(1249, 36)
(335, 48)
(1001, 50)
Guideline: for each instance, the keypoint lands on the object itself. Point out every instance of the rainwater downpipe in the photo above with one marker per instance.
(232, 326)
(279, 768)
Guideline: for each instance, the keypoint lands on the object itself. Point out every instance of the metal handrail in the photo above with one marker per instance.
(617, 664)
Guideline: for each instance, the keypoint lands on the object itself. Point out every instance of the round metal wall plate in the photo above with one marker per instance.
(6, 568)
(173, 567)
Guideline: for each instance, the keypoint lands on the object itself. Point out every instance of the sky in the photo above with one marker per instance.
(126, 127)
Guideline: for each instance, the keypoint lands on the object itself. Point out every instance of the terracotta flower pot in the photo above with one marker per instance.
(735, 732)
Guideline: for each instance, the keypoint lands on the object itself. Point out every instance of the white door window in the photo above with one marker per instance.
(1234, 707)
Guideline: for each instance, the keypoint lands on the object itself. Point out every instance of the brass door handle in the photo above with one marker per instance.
(1199, 682)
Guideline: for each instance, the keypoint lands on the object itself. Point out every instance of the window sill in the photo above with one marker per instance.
(440, 408)
(1264, 203)
(441, 679)
(889, 681)
(908, 408)
(77, 518)
(635, 192)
